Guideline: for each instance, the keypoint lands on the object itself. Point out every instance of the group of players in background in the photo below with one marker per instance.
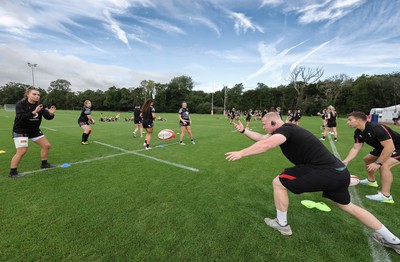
(143, 118)
(30, 111)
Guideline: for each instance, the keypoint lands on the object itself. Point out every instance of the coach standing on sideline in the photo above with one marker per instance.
(384, 156)
(29, 113)
(316, 169)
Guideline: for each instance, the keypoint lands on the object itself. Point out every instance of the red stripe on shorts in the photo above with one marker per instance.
(287, 176)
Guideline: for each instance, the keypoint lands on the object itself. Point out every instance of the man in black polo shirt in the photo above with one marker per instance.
(315, 169)
(384, 156)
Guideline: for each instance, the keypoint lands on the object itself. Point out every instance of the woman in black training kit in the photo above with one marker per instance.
(148, 117)
(28, 116)
(84, 121)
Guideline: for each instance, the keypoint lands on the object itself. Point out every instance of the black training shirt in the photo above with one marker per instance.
(149, 113)
(84, 113)
(374, 133)
(136, 113)
(302, 147)
(184, 112)
(25, 121)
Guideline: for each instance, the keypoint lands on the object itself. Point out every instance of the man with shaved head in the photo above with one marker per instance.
(315, 169)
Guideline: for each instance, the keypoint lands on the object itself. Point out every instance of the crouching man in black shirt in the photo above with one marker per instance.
(29, 113)
(315, 169)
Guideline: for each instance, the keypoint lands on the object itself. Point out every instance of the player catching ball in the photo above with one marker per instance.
(84, 121)
(28, 117)
(184, 123)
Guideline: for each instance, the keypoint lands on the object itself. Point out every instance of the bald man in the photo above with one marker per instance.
(315, 169)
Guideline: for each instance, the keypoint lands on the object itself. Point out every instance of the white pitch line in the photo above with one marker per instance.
(378, 252)
(94, 159)
(150, 157)
(75, 163)
(48, 128)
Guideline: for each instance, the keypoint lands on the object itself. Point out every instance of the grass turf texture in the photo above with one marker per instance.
(131, 208)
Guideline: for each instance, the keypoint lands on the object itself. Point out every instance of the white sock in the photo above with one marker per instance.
(388, 236)
(282, 217)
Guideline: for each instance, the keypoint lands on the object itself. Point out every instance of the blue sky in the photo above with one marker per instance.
(96, 44)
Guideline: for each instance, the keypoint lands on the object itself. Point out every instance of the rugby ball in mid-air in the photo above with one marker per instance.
(354, 180)
(166, 134)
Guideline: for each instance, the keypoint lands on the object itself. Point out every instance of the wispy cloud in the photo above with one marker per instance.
(235, 56)
(161, 25)
(116, 28)
(273, 61)
(303, 58)
(343, 36)
(312, 11)
(271, 2)
(243, 23)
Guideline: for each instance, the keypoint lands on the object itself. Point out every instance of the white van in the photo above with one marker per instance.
(378, 111)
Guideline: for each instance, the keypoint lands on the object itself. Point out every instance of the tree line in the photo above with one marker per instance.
(305, 92)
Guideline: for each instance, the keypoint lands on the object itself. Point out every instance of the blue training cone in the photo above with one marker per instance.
(65, 165)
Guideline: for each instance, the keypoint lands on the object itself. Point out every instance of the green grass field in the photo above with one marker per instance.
(120, 203)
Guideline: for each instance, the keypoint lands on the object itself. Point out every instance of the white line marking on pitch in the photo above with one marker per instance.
(124, 152)
(76, 163)
(378, 252)
(48, 128)
(150, 157)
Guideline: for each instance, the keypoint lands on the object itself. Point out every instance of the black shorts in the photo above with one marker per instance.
(181, 123)
(332, 182)
(331, 124)
(395, 154)
(147, 123)
(137, 121)
(31, 135)
(82, 123)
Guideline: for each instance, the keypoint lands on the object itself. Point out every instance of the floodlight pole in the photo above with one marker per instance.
(33, 76)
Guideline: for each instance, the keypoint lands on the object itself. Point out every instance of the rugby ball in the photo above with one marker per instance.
(354, 180)
(166, 134)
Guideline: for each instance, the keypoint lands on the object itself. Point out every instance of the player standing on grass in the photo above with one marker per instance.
(384, 156)
(315, 169)
(248, 118)
(184, 123)
(148, 117)
(137, 120)
(330, 122)
(84, 121)
(28, 117)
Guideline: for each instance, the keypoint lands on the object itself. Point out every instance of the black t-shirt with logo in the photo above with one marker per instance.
(374, 133)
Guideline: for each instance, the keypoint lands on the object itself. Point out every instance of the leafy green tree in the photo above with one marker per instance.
(12, 92)
(58, 93)
(161, 101)
(149, 89)
(234, 95)
(178, 90)
(112, 98)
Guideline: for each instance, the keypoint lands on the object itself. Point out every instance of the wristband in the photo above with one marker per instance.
(378, 163)
(244, 129)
